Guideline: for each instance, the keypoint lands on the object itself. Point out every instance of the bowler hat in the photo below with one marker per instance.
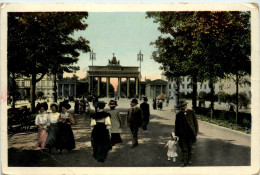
(101, 104)
(134, 101)
(182, 102)
(145, 98)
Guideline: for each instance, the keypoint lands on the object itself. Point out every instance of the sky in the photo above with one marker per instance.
(122, 33)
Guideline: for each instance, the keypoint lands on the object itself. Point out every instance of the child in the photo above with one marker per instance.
(172, 147)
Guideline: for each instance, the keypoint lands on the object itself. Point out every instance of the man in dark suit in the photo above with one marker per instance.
(134, 120)
(146, 112)
(186, 128)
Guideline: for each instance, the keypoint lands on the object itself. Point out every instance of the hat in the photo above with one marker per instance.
(145, 98)
(101, 104)
(56, 105)
(182, 102)
(44, 105)
(173, 136)
(66, 105)
(112, 103)
(134, 101)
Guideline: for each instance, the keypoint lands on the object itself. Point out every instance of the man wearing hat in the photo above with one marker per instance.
(186, 128)
(134, 120)
(146, 112)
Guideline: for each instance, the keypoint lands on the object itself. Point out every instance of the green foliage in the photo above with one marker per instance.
(41, 43)
(206, 45)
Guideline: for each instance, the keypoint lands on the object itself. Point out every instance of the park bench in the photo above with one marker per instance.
(20, 119)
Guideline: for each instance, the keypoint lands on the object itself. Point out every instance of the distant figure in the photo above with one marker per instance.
(154, 104)
(172, 147)
(146, 112)
(116, 123)
(134, 120)
(160, 104)
(95, 102)
(167, 101)
(100, 138)
(186, 128)
(87, 108)
(76, 106)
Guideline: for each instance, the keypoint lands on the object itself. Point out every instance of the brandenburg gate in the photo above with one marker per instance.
(113, 70)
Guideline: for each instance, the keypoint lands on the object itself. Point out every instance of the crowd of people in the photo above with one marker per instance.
(55, 133)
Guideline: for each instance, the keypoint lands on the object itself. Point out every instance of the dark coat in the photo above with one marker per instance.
(186, 125)
(145, 109)
(136, 118)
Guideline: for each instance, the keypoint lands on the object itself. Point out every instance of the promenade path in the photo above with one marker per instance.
(216, 146)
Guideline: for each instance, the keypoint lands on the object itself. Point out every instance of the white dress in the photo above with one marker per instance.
(172, 148)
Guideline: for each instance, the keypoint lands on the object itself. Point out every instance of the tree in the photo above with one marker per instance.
(75, 77)
(202, 44)
(42, 43)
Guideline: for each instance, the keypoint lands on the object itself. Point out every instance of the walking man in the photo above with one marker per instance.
(186, 128)
(134, 120)
(146, 112)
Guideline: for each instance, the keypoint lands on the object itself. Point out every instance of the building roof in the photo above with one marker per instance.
(157, 82)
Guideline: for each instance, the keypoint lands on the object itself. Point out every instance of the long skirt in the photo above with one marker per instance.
(52, 135)
(100, 141)
(115, 138)
(65, 138)
(42, 136)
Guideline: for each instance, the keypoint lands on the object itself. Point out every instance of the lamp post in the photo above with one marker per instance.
(140, 58)
(92, 58)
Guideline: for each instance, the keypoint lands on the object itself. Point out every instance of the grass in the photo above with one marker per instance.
(225, 123)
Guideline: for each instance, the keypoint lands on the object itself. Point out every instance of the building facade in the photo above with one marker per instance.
(155, 88)
(225, 85)
(45, 85)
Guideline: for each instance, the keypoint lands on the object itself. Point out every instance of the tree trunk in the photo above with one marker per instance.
(194, 92)
(211, 85)
(13, 89)
(237, 82)
(33, 93)
(177, 94)
(55, 88)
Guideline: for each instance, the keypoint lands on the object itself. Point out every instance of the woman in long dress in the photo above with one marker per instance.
(65, 137)
(116, 123)
(41, 121)
(54, 128)
(100, 138)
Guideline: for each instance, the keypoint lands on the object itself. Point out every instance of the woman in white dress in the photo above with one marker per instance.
(54, 128)
(42, 121)
(116, 123)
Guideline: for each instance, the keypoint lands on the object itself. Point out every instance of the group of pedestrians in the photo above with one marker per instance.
(106, 126)
(55, 133)
(158, 103)
(54, 128)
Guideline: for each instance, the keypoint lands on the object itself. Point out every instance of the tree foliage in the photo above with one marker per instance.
(42, 43)
(204, 45)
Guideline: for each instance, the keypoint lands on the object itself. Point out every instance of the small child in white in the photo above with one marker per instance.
(172, 147)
